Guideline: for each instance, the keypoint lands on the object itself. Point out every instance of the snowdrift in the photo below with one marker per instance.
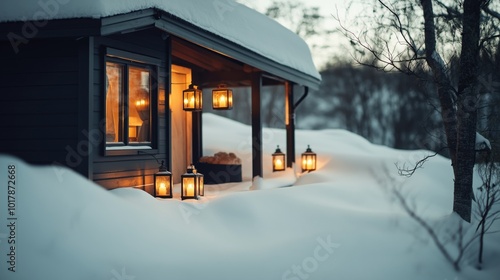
(335, 223)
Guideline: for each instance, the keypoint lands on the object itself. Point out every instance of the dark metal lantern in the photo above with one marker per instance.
(163, 182)
(308, 160)
(278, 160)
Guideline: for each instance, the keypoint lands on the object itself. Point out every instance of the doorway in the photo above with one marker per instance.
(181, 123)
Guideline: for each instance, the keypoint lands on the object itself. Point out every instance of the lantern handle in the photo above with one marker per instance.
(278, 150)
(163, 168)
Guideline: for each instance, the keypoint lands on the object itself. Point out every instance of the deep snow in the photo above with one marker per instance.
(334, 223)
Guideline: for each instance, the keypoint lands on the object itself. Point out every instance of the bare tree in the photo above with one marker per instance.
(399, 42)
(450, 235)
(389, 109)
(306, 21)
(487, 200)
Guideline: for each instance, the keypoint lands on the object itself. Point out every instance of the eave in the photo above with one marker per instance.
(136, 21)
(154, 18)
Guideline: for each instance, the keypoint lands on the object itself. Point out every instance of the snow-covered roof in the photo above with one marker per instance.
(225, 18)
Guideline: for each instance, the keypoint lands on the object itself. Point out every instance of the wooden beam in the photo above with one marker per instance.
(197, 133)
(256, 126)
(168, 112)
(197, 149)
(290, 125)
(202, 57)
(85, 104)
(227, 77)
(233, 50)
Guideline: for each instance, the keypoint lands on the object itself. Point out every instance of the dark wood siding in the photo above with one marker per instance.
(39, 99)
(131, 170)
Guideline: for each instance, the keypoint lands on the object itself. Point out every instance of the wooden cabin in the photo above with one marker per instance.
(99, 88)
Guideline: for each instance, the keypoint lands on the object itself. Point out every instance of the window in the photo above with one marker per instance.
(129, 103)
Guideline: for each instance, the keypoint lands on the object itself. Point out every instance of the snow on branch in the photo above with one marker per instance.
(482, 144)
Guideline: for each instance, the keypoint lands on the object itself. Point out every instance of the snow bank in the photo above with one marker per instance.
(226, 18)
(335, 223)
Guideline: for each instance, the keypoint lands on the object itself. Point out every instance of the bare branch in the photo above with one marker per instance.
(406, 35)
(487, 39)
(495, 14)
(430, 231)
(408, 172)
(389, 59)
(451, 12)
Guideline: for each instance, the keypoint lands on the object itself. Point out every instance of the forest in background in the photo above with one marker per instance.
(392, 109)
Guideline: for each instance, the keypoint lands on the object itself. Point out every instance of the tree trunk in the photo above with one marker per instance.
(442, 80)
(467, 109)
(460, 122)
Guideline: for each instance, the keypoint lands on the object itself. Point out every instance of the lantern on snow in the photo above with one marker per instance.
(189, 184)
(308, 160)
(163, 182)
(278, 160)
(201, 183)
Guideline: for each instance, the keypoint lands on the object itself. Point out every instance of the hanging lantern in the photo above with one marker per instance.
(222, 98)
(308, 160)
(192, 98)
(189, 184)
(278, 160)
(163, 182)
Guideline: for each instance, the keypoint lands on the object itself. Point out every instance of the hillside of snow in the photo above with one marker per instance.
(338, 222)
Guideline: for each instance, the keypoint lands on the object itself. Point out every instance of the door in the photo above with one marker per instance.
(181, 123)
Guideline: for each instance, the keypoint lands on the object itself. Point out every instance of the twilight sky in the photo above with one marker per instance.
(338, 45)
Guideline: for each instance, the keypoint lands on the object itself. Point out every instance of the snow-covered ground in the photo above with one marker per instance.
(338, 222)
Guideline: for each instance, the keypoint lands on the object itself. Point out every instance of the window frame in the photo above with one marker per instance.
(128, 59)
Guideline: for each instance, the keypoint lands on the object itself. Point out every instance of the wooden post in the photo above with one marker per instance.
(290, 125)
(86, 104)
(168, 111)
(256, 126)
(197, 151)
(196, 126)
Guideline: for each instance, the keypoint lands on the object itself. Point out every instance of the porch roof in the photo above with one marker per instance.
(240, 32)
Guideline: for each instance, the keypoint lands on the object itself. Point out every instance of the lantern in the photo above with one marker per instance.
(189, 184)
(201, 184)
(278, 160)
(192, 99)
(308, 160)
(201, 181)
(163, 182)
(222, 98)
